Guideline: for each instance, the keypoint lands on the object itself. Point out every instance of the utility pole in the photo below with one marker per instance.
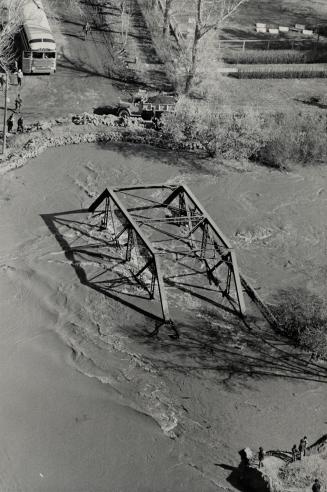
(4, 141)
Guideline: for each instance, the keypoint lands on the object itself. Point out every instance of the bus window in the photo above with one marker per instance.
(37, 54)
(49, 55)
(36, 40)
(27, 54)
(46, 40)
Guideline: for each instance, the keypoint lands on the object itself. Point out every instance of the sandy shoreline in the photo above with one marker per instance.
(82, 435)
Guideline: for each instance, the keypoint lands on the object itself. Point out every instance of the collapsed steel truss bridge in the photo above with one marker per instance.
(177, 226)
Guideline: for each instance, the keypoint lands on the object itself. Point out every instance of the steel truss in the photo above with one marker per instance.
(197, 233)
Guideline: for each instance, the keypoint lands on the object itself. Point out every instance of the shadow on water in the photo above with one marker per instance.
(100, 265)
(108, 280)
(234, 477)
(211, 336)
(186, 161)
(234, 349)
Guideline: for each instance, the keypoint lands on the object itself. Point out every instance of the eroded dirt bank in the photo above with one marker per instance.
(226, 384)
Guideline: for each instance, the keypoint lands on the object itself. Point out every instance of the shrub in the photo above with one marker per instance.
(276, 140)
(302, 316)
(294, 138)
(229, 134)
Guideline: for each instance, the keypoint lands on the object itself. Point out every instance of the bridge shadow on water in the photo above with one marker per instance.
(211, 336)
(95, 264)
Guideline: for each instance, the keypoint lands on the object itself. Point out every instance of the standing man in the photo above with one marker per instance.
(18, 102)
(20, 125)
(261, 456)
(294, 453)
(20, 77)
(303, 446)
(86, 29)
(2, 81)
(10, 122)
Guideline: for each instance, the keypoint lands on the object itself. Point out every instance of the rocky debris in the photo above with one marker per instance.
(94, 119)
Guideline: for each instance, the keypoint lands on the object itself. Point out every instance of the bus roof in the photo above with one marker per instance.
(36, 24)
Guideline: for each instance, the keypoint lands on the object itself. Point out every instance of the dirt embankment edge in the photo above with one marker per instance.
(79, 129)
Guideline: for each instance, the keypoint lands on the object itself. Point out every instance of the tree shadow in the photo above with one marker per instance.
(235, 349)
(312, 101)
(198, 163)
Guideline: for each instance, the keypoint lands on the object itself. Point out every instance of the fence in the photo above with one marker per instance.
(271, 44)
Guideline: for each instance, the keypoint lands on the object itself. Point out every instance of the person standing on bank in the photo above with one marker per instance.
(20, 77)
(18, 102)
(294, 453)
(20, 125)
(10, 122)
(261, 456)
(303, 446)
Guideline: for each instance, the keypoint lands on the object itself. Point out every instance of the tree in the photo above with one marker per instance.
(166, 20)
(11, 15)
(124, 8)
(210, 15)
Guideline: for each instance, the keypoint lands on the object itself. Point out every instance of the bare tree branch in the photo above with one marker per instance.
(11, 11)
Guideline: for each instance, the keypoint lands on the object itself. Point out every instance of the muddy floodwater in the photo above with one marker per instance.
(89, 400)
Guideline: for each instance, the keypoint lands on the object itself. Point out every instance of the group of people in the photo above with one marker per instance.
(297, 453)
(11, 122)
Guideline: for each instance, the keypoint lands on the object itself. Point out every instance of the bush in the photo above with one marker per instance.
(294, 138)
(229, 134)
(276, 140)
(302, 316)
